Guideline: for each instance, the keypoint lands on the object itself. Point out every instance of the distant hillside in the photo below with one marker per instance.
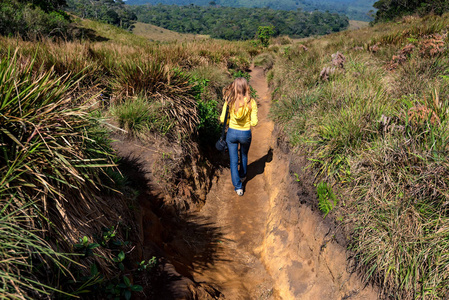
(155, 33)
(354, 9)
(353, 25)
(232, 23)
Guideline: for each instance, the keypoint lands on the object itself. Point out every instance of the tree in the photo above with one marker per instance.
(49, 5)
(264, 33)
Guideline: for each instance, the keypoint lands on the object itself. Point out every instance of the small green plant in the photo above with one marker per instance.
(326, 198)
(119, 260)
(123, 288)
(297, 179)
(198, 86)
(147, 265)
(119, 286)
(85, 247)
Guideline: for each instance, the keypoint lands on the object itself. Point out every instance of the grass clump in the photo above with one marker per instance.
(373, 122)
(26, 258)
(264, 60)
(171, 87)
(51, 158)
(140, 117)
(326, 198)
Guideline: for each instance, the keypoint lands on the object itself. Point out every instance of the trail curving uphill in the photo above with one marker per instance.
(271, 246)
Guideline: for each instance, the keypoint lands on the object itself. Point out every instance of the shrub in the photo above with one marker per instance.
(31, 21)
(209, 128)
(264, 33)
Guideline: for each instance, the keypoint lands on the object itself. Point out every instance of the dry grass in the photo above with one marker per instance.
(52, 165)
(354, 25)
(158, 34)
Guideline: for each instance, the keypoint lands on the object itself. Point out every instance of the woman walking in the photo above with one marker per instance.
(242, 115)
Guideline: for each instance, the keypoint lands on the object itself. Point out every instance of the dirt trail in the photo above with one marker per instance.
(239, 273)
(271, 247)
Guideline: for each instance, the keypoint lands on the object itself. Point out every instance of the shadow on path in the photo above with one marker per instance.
(258, 167)
(181, 243)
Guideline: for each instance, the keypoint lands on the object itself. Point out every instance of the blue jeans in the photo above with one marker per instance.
(233, 139)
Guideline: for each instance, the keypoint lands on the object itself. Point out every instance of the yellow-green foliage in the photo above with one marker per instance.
(375, 122)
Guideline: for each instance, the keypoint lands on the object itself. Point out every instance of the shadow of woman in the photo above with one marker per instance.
(258, 167)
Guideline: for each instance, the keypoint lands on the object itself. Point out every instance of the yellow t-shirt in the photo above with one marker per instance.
(244, 118)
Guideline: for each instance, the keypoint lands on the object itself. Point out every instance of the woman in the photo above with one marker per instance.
(242, 115)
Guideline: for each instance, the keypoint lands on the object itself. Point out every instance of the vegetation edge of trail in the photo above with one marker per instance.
(366, 107)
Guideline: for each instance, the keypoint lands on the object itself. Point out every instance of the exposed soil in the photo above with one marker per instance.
(270, 243)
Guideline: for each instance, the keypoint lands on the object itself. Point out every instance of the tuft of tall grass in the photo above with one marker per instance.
(171, 87)
(140, 117)
(26, 258)
(264, 60)
(51, 156)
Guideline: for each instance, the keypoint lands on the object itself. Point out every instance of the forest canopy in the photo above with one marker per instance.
(354, 9)
(239, 23)
(390, 9)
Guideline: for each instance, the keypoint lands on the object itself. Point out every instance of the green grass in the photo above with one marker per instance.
(141, 117)
(326, 198)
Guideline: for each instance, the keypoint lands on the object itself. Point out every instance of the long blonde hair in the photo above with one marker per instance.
(237, 92)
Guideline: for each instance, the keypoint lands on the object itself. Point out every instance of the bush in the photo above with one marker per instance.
(209, 127)
(32, 22)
